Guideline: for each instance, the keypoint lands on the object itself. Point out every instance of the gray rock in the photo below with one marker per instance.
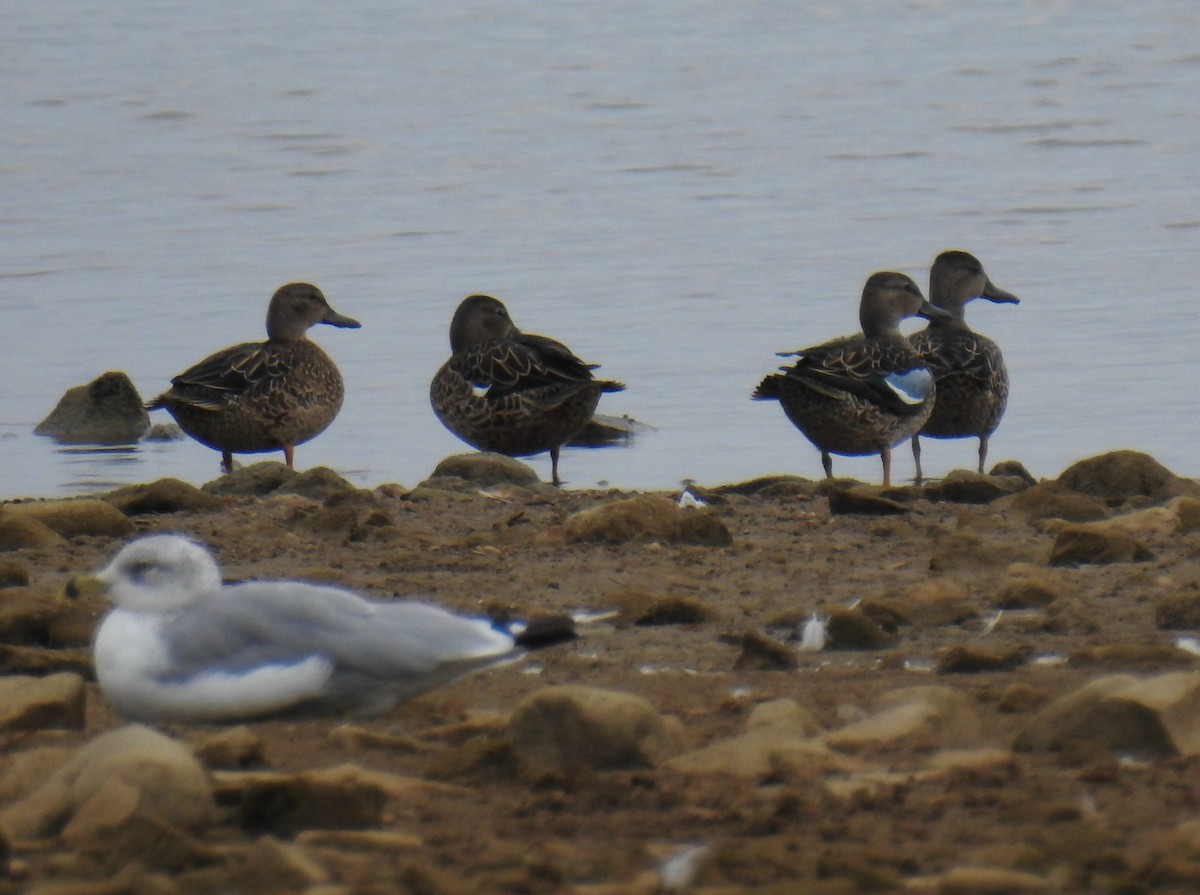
(108, 410)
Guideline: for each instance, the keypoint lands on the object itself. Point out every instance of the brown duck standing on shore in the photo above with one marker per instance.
(511, 392)
(263, 396)
(861, 394)
(972, 381)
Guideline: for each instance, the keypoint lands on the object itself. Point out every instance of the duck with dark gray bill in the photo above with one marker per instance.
(512, 392)
(263, 396)
(972, 381)
(861, 394)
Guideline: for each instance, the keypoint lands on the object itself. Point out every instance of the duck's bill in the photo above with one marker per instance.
(933, 312)
(333, 318)
(998, 295)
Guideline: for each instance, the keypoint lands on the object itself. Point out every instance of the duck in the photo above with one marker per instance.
(257, 397)
(866, 393)
(512, 392)
(968, 368)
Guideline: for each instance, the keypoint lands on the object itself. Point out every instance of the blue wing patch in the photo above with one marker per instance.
(912, 387)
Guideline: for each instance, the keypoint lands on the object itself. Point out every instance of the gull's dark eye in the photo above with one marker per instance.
(139, 569)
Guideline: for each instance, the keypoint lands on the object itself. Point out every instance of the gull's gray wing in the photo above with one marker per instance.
(283, 623)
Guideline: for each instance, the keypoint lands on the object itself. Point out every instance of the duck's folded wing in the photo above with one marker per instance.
(891, 376)
(234, 371)
(507, 367)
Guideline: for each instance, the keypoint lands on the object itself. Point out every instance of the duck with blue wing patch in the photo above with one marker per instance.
(180, 645)
(861, 394)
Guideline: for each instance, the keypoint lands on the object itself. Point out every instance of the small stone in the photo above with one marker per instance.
(778, 739)
(646, 518)
(1096, 544)
(131, 771)
(968, 486)
(71, 518)
(1017, 698)
(108, 410)
(1013, 468)
(774, 487)
(986, 881)
(486, 469)
(934, 602)
(559, 729)
(236, 747)
(255, 480)
(941, 716)
(40, 661)
(675, 611)
(763, 653)
(1152, 718)
(1178, 611)
(289, 804)
(318, 483)
(851, 629)
(1050, 500)
(972, 659)
(274, 866)
(1125, 655)
(968, 552)
(18, 532)
(1187, 511)
(1029, 587)
(162, 496)
(13, 573)
(1117, 476)
(863, 500)
(35, 703)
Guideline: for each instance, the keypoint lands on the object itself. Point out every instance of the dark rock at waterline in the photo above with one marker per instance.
(485, 469)
(108, 410)
(162, 496)
(1118, 476)
(608, 431)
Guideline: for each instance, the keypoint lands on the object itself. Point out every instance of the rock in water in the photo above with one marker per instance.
(108, 410)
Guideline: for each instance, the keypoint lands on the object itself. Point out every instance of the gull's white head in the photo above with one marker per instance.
(160, 573)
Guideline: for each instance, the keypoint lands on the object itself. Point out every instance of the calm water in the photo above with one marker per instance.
(677, 190)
